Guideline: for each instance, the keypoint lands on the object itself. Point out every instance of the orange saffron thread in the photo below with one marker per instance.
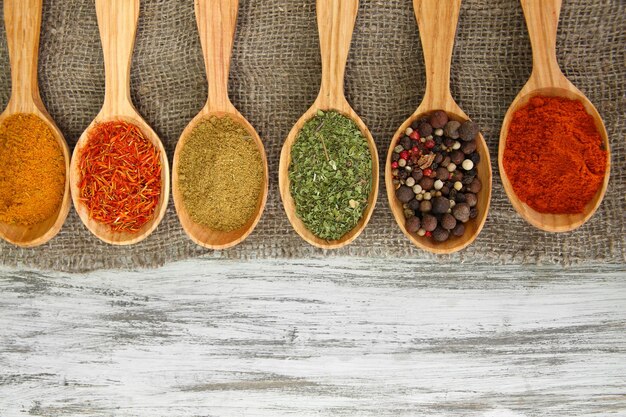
(120, 176)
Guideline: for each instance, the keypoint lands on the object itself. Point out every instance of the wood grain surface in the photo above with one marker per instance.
(342, 337)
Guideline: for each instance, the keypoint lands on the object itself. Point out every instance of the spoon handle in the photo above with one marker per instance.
(335, 21)
(542, 20)
(23, 24)
(117, 20)
(217, 20)
(437, 21)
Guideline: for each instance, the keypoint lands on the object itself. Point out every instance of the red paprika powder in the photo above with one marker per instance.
(554, 156)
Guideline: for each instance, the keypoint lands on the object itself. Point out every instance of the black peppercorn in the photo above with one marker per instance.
(438, 158)
(415, 124)
(413, 205)
(475, 158)
(460, 197)
(448, 221)
(429, 222)
(453, 194)
(405, 194)
(440, 205)
(395, 157)
(406, 142)
(440, 234)
(403, 174)
(468, 131)
(447, 142)
(417, 174)
(412, 224)
(445, 190)
(467, 179)
(434, 166)
(425, 206)
(473, 213)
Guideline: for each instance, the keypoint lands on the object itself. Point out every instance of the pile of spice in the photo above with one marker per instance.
(554, 155)
(330, 175)
(434, 172)
(220, 174)
(120, 176)
(32, 171)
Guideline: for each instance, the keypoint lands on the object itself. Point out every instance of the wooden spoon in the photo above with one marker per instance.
(216, 21)
(117, 20)
(546, 79)
(335, 20)
(23, 23)
(437, 21)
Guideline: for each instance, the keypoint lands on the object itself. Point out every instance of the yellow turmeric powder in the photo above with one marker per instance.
(32, 171)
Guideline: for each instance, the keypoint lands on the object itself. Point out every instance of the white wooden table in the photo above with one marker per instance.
(341, 337)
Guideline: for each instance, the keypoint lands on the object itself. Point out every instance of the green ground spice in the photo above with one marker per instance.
(330, 175)
(220, 174)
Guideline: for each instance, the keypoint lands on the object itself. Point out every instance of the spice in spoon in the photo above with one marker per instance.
(330, 175)
(220, 174)
(434, 168)
(120, 176)
(32, 171)
(554, 156)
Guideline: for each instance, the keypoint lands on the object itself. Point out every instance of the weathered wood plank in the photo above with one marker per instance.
(342, 337)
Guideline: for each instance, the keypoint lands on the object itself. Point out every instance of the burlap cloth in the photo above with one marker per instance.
(275, 76)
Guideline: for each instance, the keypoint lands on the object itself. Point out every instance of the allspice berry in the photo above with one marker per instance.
(448, 221)
(442, 173)
(427, 183)
(425, 129)
(438, 119)
(459, 229)
(405, 194)
(461, 212)
(457, 157)
(452, 129)
(475, 186)
(471, 199)
(413, 205)
(440, 205)
(426, 206)
(429, 222)
(468, 131)
(440, 234)
(468, 147)
(412, 224)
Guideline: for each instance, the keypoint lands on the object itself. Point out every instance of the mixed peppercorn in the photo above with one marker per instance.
(435, 176)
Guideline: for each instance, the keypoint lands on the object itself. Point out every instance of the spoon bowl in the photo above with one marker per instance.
(23, 24)
(547, 80)
(288, 202)
(216, 20)
(437, 21)
(336, 19)
(117, 20)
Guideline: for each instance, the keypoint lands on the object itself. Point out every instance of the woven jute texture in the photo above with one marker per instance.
(275, 77)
